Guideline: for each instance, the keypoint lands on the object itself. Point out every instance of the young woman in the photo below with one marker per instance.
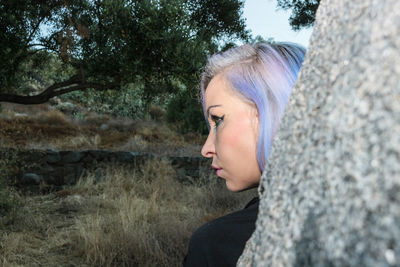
(244, 94)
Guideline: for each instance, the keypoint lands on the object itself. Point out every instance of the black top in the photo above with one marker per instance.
(220, 242)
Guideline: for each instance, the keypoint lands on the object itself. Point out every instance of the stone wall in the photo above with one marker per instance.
(330, 194)
(59, 168)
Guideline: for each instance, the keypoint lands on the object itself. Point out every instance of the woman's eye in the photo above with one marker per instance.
(217, 120)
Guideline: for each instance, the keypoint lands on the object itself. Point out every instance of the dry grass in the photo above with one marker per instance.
(17, 131)
(43, 127)
(130, 218)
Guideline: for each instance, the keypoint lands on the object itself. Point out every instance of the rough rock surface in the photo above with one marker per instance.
(30, 179)
(330, 195)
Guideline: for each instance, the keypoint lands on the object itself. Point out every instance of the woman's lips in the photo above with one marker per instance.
(217, 170)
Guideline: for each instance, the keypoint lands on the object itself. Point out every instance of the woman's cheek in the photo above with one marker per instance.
(231, 137)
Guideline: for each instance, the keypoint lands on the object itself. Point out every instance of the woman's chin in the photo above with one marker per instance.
(232, 187)
(238, 188)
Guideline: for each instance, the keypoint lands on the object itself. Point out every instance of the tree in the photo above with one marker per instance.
(106, 44)
(303, 12)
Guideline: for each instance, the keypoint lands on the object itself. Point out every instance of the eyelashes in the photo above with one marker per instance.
(217, 120)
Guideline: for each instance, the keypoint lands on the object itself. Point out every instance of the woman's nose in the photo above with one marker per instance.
(208, 149)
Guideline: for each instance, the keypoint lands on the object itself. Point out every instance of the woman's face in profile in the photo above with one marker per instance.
(232, 140)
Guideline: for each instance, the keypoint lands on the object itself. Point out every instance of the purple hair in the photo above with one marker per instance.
(262, 74)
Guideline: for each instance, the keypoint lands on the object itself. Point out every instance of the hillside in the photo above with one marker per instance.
(70, 126)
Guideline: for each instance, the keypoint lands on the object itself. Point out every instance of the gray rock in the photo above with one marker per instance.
(54, 101)
(79, 171)
(70, 179)
(330, 194)
(104, 127)
(56, 177)
(20, 115)
(30, 179)
(67, 107)
(53, 156)
(44, 168)
(71, 156)
(123, 156)
(37, 156)
(99, 155)
(50, 180)
(70, 176)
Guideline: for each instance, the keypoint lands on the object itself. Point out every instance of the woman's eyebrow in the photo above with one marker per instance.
(210, 107)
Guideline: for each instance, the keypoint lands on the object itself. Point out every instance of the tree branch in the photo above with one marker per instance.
(73, 84)
(35, 28)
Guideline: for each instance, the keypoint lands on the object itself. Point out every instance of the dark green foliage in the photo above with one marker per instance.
(185, 110)
(259, 38)
(218, 18)
(108, 44)
(126, 102)
(303, 12)
(40, 71)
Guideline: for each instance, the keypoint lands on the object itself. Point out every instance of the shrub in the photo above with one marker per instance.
(184, 109)
(126, 102)
(156, 112)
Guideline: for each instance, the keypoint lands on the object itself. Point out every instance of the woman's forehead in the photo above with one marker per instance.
(225, 100)
(219, 92)
(218, 89)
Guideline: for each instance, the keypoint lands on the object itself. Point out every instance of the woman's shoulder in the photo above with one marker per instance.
(221, 241)
(226, 224)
